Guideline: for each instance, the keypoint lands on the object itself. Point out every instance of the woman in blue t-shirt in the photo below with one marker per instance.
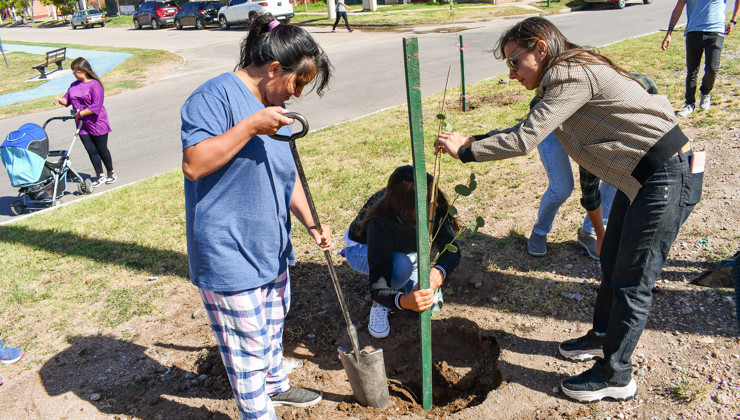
(239, 189)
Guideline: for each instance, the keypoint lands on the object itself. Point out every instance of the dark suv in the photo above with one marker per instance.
(198, 14)
(155, 13)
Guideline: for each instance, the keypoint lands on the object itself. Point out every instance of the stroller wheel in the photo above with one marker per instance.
(17, 207)
(85, 187)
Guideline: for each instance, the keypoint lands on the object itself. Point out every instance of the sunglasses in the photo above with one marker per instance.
(510, 64)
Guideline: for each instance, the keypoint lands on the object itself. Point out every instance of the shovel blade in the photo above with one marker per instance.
(367, 377)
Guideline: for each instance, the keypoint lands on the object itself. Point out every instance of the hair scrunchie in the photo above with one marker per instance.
(272, 25)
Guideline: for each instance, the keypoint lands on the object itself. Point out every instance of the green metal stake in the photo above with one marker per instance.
(413, 97)
(463, 47)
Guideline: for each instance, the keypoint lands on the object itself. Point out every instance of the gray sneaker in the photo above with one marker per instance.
(296, 396)
(588, 242)
(686, 110)
(537, 245)
(706, 102)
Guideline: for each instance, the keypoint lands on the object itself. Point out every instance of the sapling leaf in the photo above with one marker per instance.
(463, 190)
(448, 127)
(441, 116)
(473, 228)
(450, 247)
(472, 176)
(448, 291)
(452, 211)
(472, 185)
(475, 225)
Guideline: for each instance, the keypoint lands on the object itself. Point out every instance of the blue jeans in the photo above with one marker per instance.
(638, 238)
(404, 275)
(560, 186)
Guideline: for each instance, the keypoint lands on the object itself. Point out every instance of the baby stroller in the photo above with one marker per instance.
(40, 181)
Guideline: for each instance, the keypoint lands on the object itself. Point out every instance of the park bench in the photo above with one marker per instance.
(52, 57)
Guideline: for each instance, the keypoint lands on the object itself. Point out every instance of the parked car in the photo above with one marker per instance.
(237, 12)
(618, 4)
(87, 18)
(157, 13)
(198, 14)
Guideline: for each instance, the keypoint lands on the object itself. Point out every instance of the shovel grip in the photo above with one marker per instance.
(304, 128)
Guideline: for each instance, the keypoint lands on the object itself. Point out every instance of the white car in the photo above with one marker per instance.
(239, 11)
(87, 18)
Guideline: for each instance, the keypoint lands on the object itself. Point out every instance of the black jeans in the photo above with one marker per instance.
(638, 238)
(341, 15)
(97, 149)
(710, 45)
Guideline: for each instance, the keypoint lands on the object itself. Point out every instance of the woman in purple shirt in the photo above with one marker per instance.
(86, 95)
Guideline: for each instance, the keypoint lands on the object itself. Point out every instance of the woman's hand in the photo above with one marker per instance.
(435, 278)
(60, 101)
(450, 142)
(418, 300)
(269, 120)
(323, 239)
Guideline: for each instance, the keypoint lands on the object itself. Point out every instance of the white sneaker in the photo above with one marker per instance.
(686, 110)
(378, 325)
(706, 102)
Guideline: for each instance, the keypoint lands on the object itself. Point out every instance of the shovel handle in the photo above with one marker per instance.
(304, 128)
(351, 330)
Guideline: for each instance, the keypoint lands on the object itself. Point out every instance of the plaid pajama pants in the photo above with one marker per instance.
(248, 326)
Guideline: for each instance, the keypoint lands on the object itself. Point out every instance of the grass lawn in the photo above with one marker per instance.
(15, 76)
(131, 74)
(413, 14)
(75, 267)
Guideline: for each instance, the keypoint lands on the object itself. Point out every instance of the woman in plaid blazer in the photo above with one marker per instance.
(616, 130)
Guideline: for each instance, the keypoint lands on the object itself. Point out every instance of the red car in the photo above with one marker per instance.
(156, 13)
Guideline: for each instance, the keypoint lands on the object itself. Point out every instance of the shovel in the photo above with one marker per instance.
(365, 371)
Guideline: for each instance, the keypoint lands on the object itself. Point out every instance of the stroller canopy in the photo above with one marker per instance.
(24, 154)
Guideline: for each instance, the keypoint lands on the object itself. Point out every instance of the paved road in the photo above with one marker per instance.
(368, 66)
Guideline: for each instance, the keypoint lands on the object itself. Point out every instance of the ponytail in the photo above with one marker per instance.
(290, 45)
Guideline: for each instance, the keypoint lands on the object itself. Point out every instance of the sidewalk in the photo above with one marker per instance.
(101, 61)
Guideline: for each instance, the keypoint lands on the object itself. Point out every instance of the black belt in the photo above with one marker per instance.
(672, 143)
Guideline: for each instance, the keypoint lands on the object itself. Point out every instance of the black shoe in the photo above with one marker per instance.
(584, 388)
(584, 348)
(99, 181)
(296, 397)
(111, 178)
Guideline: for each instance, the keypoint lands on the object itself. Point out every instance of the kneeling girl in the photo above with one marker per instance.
(381, 242)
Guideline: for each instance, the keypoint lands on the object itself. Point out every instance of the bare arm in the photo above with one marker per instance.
(596, 219)
(730, 24)
(211, 154)
(301, 210)
(675, 16)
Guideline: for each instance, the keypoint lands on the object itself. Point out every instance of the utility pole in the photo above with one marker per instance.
(332, 9)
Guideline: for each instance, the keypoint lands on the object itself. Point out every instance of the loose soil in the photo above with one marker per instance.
(494, 343)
